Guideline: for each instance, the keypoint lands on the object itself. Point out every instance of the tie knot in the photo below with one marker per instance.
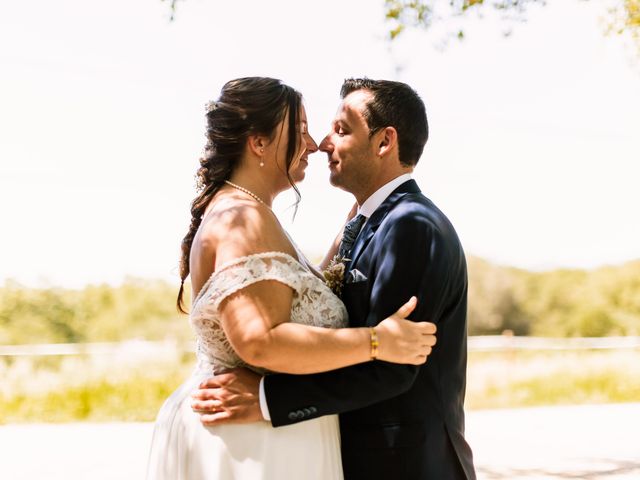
(351, 230)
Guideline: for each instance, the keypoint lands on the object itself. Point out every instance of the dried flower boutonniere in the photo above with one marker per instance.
(334, 274)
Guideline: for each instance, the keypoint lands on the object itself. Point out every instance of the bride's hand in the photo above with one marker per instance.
(404, 341)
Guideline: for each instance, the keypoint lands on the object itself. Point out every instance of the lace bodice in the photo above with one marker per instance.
(313, 302)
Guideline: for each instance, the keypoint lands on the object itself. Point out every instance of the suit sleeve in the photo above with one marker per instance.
(410, 257)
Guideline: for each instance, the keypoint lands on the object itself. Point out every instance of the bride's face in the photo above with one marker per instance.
(307, 145)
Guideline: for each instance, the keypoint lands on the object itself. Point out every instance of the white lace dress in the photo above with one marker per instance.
(183, 449)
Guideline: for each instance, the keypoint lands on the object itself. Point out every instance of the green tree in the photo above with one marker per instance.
(97, 313)
(494, 303)
(558, 303)
(624, 16)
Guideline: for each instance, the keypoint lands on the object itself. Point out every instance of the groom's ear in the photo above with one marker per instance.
(386, 141)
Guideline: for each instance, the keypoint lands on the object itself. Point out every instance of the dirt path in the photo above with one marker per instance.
(585, 442)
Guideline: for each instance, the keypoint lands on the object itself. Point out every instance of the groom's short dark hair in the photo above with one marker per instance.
(397, 105)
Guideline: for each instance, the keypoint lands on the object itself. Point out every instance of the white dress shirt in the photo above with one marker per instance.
(372, 203)
(369, 206)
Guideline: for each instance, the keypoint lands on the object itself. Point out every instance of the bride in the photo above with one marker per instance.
(258, 301)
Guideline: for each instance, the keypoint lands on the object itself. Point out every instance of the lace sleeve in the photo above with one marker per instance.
(242, 272)
(313, 302)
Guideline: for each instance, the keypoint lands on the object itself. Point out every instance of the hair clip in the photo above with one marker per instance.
(210, 106)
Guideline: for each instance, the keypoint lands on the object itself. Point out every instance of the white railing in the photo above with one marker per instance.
(487, 343)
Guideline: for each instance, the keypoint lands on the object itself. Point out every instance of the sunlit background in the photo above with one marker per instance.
(533, 154)
(533, 148)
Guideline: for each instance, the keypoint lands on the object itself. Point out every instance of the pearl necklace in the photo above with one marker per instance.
(248, 192)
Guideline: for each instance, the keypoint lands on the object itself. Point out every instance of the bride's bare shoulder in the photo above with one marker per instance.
(234, 228)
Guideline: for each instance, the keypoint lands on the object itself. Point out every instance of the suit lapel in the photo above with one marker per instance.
(363, 239)
(378, 216)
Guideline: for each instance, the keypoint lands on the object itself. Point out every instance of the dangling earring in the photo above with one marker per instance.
(261, 160)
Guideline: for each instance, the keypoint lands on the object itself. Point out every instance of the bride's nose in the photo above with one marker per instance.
(312, 146)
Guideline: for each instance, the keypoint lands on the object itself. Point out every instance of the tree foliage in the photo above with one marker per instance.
(558, 303)
(624, 15)
(495, 299)
(172, 5)
(136, 309)
(626, 18)
(403, 14)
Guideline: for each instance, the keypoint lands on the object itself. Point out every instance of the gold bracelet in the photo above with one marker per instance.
(374, 343)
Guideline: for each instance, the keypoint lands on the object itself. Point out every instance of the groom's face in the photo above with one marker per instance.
(348, 145)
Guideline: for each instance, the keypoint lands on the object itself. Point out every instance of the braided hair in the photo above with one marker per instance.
(246, 106)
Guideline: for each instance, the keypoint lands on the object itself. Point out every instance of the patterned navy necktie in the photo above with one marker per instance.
(351, 230)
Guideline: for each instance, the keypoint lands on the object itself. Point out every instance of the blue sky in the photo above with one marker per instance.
(533, 151)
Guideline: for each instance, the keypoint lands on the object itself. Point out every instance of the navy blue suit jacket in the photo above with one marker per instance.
(396, 421)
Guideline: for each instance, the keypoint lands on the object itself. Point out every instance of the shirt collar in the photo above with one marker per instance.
(375, 200)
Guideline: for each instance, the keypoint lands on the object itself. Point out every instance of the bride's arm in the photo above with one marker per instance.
(256, 318)
(256, 321)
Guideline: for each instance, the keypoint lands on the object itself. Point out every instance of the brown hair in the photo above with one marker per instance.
(246, 106)
(397, 105)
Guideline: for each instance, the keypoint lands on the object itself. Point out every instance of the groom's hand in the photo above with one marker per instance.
(231, 397)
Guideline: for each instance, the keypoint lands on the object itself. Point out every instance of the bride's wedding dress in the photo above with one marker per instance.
(183, 449)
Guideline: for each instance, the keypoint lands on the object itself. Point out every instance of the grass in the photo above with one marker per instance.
(524, 379)
(96, 389)
(131, 400)
(75, 389)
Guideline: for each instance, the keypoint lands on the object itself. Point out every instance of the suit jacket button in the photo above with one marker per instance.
(306, 411)
(293, 416)
(313, 410)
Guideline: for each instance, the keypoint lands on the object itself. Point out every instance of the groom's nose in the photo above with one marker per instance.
(326, 145)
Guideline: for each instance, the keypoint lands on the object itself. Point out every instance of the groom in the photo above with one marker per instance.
(396, 421)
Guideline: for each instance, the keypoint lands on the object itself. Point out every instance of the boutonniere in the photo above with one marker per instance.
(334, 273)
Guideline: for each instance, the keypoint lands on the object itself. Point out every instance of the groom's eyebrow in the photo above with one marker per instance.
(348, 117)
(342, 119)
